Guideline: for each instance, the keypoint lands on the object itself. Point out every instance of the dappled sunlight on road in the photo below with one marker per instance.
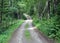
(32, 28)
(28, 20)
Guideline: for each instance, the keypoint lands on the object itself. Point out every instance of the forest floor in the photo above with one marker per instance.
(26, 33)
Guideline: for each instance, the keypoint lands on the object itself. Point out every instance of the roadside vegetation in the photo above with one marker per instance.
(48, 28)
(48, 21)
(5, 36)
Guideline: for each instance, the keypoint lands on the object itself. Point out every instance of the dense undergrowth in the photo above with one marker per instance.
(48, 27)
(6, 35)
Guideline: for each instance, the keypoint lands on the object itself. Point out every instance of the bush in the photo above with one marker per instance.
(6, 35)
(48, 27)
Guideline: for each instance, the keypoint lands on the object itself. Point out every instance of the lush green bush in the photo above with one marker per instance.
(5, 24)
(48, 27)
(6, 35)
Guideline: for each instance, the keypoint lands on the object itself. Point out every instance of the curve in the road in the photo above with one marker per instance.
(19, 37)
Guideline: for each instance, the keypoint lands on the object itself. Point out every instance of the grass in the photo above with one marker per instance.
(58, 41)
(27, 25)
(27, 34)
(5, 37)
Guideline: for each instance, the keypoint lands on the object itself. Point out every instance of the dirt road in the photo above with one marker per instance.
(19, 36)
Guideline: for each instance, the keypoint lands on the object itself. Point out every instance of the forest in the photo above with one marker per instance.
(44, 13)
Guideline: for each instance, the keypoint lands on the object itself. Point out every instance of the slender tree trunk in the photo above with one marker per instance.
(40, 10)
(1, 11)
(18, 16)
(0, 16)
(48, 9)
(54, 6)
(44, 10)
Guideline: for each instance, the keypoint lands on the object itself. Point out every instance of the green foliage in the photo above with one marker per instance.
(48, 27)
(27, 25)
(9, 12)
(5, 36)
(27, 34)
(58, 9)
(12, 10)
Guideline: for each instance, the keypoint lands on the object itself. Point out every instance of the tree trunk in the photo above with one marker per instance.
(54, 6)
(48, 9)
(1, 11)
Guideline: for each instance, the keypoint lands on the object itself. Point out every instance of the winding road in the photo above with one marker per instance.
(19, 36)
